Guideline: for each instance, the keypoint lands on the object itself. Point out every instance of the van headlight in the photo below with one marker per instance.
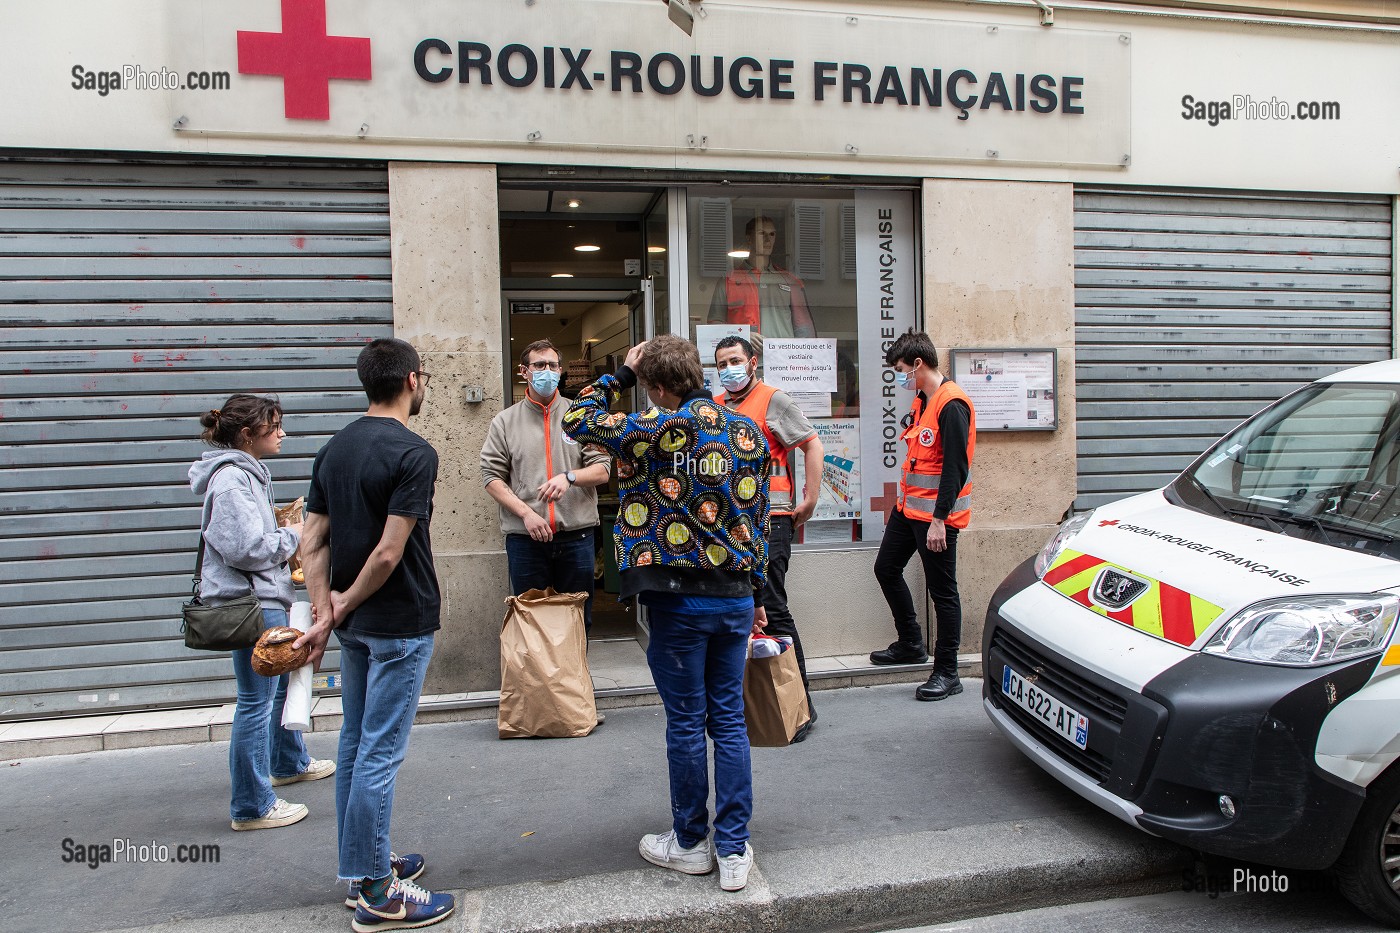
(1056, 544)
(1307, 631)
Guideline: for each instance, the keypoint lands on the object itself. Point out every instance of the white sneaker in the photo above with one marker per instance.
(316, 769)
(734, 869)
(281, 814)
(665, 850)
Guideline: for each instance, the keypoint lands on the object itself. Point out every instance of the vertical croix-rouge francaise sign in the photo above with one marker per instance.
(306, 57)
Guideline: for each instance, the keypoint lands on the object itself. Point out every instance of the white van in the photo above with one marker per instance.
(1217, 662)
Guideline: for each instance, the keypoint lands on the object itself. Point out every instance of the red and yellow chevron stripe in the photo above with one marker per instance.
(1165, 611)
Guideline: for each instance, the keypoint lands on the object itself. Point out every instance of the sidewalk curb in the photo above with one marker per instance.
(194, 725)
(918, 878)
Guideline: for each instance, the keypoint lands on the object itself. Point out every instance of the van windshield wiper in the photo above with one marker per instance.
(1381, 536)
(1308, 521)
(1236, 512)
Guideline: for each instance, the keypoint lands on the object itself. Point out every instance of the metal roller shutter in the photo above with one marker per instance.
(1193, 310)
(132, 298)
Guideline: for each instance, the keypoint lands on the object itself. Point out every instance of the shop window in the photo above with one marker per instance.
(820, 280)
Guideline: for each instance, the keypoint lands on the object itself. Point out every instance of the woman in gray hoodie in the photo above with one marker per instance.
(245, 552)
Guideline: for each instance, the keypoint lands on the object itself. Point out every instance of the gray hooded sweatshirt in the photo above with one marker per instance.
(244, 547)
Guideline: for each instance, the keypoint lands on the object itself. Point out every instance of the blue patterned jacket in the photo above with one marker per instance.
(693, 490)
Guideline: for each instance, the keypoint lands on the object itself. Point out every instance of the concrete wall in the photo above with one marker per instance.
(447, 303)
(837, 603)
(999, 272)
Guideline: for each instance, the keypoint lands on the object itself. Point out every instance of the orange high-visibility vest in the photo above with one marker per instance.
(754, 406)
(923, 468)
(741, 296)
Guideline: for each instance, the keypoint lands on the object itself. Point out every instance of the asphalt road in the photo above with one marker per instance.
(487, 812)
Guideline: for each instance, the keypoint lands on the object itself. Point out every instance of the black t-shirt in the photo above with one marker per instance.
(371, 469)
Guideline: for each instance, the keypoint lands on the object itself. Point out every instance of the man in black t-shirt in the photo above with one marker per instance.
(370, 576)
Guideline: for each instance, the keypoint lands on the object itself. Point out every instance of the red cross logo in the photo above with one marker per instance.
(885, 502)
(1107, 523)
(306, 57)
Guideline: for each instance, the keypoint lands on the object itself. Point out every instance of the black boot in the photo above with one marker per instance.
(900, 652)
(940, 686)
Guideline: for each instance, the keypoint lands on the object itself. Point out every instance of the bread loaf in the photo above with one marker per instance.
(274, 655)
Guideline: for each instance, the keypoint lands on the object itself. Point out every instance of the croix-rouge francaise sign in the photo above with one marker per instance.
(615, 76)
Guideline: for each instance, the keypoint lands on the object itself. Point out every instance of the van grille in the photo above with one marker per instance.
(1105, 710)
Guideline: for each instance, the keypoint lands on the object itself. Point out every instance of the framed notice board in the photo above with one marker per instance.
(1011, 390)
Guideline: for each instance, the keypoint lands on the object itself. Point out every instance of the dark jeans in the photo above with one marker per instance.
(903, 537)
(774, 597)
(566, 563)
(698, 664)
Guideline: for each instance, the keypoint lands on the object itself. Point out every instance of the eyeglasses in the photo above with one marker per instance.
(540, 366)
(424, 376)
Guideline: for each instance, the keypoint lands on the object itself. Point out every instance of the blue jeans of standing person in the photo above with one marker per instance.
(566, 563)
(259, 748)
(697, 651)
(380, 679)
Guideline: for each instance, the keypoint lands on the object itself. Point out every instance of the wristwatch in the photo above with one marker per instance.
(570, 477)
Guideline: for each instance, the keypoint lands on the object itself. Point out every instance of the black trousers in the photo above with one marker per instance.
(904, 536)
(774, 597)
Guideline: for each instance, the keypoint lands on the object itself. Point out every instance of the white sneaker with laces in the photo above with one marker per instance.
(316, 769)
(665, 850)
(281, 814)
(734, 869)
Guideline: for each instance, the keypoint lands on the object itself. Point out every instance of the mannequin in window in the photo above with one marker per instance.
(764, 296)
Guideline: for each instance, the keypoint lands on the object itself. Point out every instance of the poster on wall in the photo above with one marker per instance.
(886, 260)
(839, 497)
(1011, 390)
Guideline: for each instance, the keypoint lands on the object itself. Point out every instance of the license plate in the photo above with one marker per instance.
(1058, 718)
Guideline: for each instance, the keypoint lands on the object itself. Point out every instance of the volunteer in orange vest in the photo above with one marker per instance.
(786, 429)
(934, 504)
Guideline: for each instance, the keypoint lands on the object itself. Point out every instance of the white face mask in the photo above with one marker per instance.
(734, 378)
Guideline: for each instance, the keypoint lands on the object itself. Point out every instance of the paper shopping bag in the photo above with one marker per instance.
(546, 689)
(290, 515)
(775, 701)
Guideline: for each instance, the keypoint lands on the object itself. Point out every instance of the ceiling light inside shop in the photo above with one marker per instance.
(656, 249)
(738, 254)
(590, 248)
(562, 275)
(574, 204)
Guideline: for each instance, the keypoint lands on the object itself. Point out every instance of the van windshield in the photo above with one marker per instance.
(1322, 464)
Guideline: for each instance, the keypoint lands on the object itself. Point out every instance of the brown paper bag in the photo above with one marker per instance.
(775, 701)
(546, 689)
(290, 515)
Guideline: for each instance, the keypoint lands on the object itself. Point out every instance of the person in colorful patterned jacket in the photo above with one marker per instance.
(692, 544)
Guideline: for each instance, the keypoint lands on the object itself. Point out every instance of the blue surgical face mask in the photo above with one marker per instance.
(734, 378)
(904, 380)
(544, 382)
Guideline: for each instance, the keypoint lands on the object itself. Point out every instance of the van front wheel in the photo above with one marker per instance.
(1368, 872)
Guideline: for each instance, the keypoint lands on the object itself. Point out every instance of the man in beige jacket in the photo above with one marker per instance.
(544, 482)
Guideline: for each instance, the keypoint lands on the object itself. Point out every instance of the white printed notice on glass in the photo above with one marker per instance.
(800, 364)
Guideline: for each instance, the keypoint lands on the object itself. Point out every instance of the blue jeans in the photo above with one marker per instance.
(259, 748)
(380, 680)
(698, 664)
(566, 563)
